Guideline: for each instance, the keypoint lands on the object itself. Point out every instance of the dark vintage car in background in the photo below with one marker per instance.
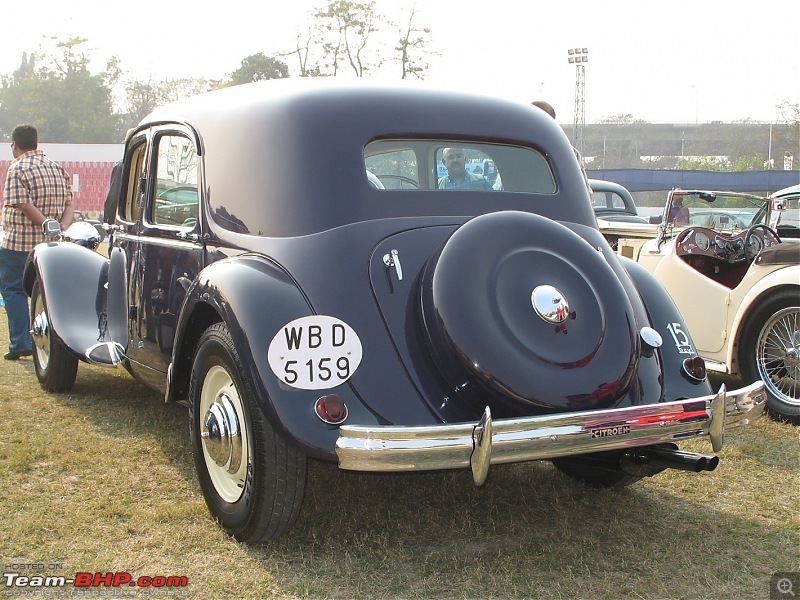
(284, 263)
(617, 214)
(613, 202)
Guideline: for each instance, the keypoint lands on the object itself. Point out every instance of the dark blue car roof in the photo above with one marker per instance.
(285, 157)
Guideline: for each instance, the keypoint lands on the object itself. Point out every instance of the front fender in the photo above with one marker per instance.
(72, 279)
(677, 343)
(256, 299)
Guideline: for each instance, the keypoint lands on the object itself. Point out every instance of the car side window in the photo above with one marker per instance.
(175, 194)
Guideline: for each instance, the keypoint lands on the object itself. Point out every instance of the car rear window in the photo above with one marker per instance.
(456, 165)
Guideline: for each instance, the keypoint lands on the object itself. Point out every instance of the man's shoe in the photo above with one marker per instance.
(14, 355)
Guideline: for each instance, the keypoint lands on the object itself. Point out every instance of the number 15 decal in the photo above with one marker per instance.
(682, 342)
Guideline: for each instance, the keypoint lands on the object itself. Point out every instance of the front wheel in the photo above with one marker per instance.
(770, 351)
(56, 368)
(252, 481)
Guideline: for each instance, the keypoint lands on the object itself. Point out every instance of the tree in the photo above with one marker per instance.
(346, 28)
(790, 111)
(412, 41)
(702, 163)
(61, 97)
(303, 47)
(750, 163)
(257, 67)
(142, 97)
(627, 119)
(349, 34)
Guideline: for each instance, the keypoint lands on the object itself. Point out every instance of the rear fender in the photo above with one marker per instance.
(72, 279)
(677, 343)
(255, 298)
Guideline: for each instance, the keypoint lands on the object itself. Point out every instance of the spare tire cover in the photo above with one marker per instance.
(524, 315)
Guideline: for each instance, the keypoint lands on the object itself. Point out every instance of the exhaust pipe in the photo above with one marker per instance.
(649, 461)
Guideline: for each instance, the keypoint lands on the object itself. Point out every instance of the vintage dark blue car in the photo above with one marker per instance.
(287, 260)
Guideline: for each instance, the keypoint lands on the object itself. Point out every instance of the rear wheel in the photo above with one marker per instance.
(252, 481)
(770, 351)
(56, 368)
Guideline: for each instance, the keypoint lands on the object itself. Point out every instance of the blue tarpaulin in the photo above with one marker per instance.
(645, 180)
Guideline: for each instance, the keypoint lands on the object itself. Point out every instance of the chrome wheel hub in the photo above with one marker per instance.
(40, 334)
(550, 304)
(223, 434)
(222, 437)
(791, 360)
(40, 330)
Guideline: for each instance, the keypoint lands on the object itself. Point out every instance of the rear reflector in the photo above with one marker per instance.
(695, 368)
(331, 409)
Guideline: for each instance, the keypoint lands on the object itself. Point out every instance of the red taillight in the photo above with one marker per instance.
(331, 409)
(695, 368)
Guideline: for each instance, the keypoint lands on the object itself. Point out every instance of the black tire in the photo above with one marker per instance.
(598, 473)
(56, 368)
(252, 480)
(768, 350)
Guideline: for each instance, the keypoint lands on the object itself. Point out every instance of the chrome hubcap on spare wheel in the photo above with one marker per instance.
(550, 304)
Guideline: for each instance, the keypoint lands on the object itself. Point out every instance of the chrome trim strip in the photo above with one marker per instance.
(453, 446)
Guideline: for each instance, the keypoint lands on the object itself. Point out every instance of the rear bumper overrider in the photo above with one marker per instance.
(487, 442)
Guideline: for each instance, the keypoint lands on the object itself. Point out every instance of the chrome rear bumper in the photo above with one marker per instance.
(479, 445)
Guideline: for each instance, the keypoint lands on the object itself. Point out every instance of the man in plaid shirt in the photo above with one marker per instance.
(36, 189)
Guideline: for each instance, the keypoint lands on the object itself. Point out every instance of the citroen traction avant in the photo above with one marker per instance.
(284, 261)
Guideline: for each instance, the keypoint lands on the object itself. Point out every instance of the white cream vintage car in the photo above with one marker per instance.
(737, 284)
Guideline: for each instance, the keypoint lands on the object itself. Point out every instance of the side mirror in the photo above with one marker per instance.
(51, 229)
(655, 219)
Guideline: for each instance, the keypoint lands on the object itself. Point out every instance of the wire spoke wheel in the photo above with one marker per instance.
(778, 354)
(769, 350)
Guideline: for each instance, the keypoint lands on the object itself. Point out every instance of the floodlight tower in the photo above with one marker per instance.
(579, 57)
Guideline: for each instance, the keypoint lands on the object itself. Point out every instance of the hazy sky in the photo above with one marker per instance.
(681, 61)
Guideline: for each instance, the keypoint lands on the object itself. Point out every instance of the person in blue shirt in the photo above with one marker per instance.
(457, 178)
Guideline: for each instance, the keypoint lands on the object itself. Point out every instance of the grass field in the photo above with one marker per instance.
(101, 480)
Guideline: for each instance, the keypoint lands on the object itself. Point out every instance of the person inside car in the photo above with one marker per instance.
(678, 213)
(457, 178)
